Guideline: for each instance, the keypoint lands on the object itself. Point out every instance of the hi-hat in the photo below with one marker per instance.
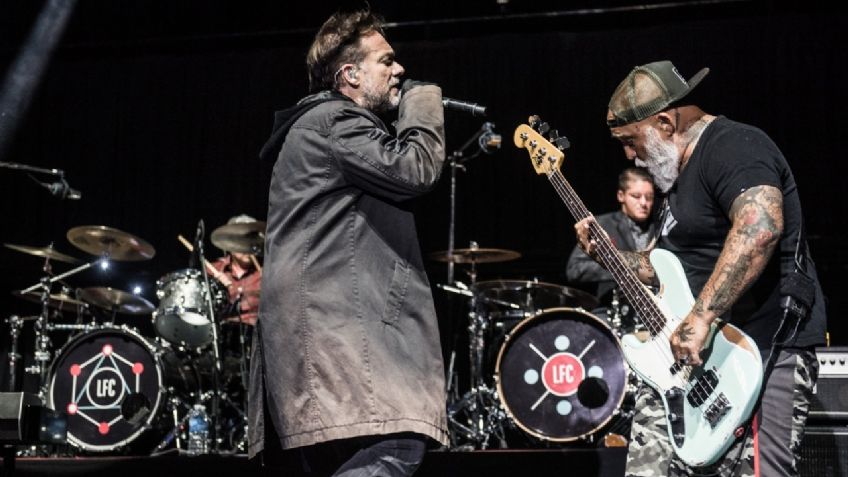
(116, 300)
(60, 301)
(475, 255)
(243, 238)
(113, 243)
(46, 252)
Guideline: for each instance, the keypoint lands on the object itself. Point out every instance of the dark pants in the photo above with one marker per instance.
(394, 455)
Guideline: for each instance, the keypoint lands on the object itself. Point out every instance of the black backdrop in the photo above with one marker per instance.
(159, 134)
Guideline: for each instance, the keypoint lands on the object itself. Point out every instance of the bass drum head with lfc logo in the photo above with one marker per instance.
(561, 374)
(109, 383)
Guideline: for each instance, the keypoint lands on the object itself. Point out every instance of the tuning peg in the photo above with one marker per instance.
(553, 135)
(534, 121)
(562, 143)
(544, 128)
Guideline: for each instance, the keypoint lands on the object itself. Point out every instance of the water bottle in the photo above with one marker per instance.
(198, 430)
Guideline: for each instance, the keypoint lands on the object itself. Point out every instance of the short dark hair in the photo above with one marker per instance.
(337, 43)
(631, 174)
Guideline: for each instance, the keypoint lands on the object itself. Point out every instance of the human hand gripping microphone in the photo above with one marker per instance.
(473, 109)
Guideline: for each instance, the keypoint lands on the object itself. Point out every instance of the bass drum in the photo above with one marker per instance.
(109, 382)
(561, 375)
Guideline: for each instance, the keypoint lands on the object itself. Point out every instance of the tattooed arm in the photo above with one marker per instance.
(641, 266)
(757, 223)
(636, 261)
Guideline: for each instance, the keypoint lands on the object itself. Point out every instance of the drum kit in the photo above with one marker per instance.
(542, 369)
(123, 392)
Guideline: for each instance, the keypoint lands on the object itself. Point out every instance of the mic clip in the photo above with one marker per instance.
(489, 141)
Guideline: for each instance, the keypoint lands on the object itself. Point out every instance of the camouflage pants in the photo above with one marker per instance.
(780, 424)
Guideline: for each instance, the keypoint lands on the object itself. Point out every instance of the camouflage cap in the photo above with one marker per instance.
(649, 89)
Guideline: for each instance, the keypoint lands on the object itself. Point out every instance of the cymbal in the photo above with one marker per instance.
(114, 243)
(116, 300)
(475, 255)
(533, 294)
(46, 252)
(243, 238)
(59, 301)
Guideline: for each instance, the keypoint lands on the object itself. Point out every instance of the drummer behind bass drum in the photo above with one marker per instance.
(631, 228)
(239, 272)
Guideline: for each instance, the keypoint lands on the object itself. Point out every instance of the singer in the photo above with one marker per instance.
(348, 348)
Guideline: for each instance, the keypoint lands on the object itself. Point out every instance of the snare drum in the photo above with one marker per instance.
(561, 374)
(182, 317)
(109, 382)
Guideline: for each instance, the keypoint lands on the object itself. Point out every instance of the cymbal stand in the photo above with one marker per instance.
(477, 417)
(15, 324)
(42, 352)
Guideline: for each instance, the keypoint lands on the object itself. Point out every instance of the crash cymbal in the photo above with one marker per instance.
(116, 300)
(114, 243)
(475, 255)
(59, 301)
(46, 252)
(244, 237)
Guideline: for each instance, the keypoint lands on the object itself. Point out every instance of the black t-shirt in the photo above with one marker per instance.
(730, 158)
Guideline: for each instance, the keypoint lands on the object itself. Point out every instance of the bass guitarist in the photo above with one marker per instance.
(733, 218)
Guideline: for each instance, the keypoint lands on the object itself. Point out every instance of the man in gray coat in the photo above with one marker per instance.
(347, 372)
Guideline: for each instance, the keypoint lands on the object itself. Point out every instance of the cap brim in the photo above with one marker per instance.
(693, 82)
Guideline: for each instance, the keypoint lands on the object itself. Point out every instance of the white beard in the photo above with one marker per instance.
(663, 161)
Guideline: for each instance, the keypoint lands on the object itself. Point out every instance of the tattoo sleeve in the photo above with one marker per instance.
(641, 266)
(757, 224)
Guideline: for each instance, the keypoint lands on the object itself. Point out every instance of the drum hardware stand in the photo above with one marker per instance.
(210, 308)
(174, 435)
(480, 406)
(615, 306)
(15, 324)
(42, 352)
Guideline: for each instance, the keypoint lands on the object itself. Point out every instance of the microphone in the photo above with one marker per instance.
(201, 228)
(62, 190)
(197, 253)
(489, 140)
(473, 109)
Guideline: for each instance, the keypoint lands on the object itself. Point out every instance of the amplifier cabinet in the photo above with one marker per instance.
(824, 452)
(830, 399)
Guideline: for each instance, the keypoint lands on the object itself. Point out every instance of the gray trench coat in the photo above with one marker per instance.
(347, 339)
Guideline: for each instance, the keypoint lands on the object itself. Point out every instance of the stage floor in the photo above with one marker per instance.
(601, 462)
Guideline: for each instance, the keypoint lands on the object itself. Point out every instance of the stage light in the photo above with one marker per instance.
(136, 289)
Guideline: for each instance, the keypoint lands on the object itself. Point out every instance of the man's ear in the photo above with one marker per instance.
(351, 74)
(665, 123)
(620, 196)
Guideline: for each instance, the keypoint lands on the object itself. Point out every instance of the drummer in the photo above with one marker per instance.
(631, 228)
(241, 274)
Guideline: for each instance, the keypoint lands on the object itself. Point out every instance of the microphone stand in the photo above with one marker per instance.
(470, 403)
(457, 160)
(210, 309)
(58, 173)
